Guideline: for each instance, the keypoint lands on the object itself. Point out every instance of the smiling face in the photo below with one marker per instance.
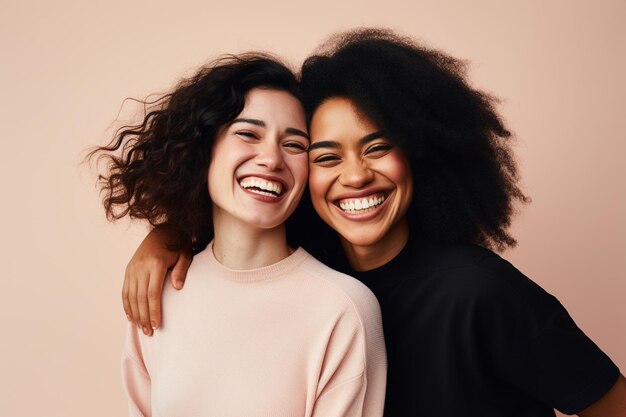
(258, 167)
(360, 182)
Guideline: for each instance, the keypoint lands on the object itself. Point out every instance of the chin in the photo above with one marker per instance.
(266, 224)
(361, 238)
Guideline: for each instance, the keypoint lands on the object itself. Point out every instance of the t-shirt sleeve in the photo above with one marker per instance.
(565, 367)
(353, 376)
(135, 377)
(534, 344)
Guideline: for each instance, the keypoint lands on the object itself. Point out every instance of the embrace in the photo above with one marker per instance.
(341, 220)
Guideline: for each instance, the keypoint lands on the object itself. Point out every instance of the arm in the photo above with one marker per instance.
(353, 377)
(536, 346)
(344, 400)
(145, 274)
(612, 404)
(361, 395)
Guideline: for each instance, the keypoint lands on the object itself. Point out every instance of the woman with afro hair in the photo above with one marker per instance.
(414, 181)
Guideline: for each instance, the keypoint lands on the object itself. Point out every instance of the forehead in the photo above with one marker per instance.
(339, 119)
(274, 106)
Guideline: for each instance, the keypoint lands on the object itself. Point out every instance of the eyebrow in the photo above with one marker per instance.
(336, 145)
(255, 122)
(297, 132)
(261, 123)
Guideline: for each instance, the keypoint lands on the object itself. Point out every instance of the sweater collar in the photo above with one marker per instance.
(275, 270)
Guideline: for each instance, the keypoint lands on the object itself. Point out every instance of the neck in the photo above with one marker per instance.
(238, 245)
(368, 257)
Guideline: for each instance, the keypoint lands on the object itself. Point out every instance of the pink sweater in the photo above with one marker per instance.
(295, 338)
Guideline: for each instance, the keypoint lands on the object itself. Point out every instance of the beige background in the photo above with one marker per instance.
(67, 66)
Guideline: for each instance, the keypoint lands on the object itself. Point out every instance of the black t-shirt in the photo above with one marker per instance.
(467, 334)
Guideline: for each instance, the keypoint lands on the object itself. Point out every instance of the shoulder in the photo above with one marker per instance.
(336, 281)
(357, 332)
(338, 286)
(470, 283)
(472, 260)
(474, 273)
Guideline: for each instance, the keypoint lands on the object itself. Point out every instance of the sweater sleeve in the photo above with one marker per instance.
(348, 399)
(354, 370)
(135, 377)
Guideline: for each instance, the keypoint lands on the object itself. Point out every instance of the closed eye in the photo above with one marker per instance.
(246, 134)
(296, 146)
(379, 149)
(327, 160)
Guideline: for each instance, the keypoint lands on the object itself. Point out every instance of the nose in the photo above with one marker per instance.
(356, 174)
(270, 155)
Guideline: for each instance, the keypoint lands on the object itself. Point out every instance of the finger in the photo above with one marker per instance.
(155, 291)
(179, 271)
(142, 305)
(132, 300)
(125, 301)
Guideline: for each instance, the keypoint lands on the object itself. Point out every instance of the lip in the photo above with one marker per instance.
(363, 193)
(261, 197)
(265, 177)
(367, 215)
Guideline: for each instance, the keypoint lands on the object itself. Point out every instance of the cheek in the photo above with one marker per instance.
(320, 183)
(226, 156)
(317, 183)
(396, 168)
(299, 167)
(398, 171)
(215, 181)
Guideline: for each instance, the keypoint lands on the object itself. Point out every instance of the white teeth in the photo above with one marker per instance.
(263, 193)
(363, 205)
(250, 183)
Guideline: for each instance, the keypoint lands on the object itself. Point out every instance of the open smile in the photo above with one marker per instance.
(262, 186)
(361, 205)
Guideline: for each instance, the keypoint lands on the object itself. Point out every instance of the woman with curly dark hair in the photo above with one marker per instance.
(264, 329)
(413, 169)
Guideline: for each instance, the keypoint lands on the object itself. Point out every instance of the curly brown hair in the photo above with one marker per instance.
(157, 169)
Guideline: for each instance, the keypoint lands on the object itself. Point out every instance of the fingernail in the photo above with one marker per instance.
(154, 324)
(128, 317)
(146, 330)
(178, 285)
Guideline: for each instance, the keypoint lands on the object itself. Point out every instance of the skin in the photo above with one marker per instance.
(612, 404)
(267, 141)
(350, 160)
(350, 157)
